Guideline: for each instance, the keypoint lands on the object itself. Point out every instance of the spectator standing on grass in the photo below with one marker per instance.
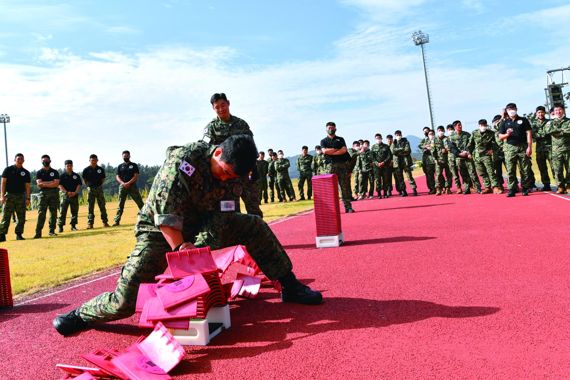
(94, 177)
(305, 167)
(282, 166)
(14, 196)
(47, 180)
(127, 176)
(262, 167)
(69, 188)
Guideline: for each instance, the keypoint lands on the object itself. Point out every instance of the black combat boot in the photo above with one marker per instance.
(2, 237)
(67, 324)
(19, 237)
(295, 292)
(415, 192)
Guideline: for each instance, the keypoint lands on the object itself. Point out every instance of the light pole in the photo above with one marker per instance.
(420, 39)
(5, 119)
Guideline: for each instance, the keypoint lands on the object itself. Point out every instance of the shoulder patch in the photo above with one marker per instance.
(186, 168)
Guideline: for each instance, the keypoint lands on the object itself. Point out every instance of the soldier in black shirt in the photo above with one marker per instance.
(47, 179)
(69, 188)
(127, 175)
(337, 162)
(94, 176)
(14, 196)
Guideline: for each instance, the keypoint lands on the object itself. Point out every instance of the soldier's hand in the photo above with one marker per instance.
(529, 151)
(2, 199)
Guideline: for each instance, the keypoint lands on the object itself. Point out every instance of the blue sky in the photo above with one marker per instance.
(88, 77)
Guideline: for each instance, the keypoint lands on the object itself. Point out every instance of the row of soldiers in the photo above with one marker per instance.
(59, 192)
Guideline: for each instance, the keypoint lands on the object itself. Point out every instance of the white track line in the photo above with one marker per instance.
(560, 196)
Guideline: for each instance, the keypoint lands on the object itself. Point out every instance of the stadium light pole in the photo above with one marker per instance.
(5, 119)
(420, 39)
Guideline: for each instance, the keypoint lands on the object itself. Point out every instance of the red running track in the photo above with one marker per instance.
(451, 287)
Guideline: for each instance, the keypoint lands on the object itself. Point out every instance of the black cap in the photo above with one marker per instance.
(540, 108)
(496, 117)
(511, 106)
(68, 162)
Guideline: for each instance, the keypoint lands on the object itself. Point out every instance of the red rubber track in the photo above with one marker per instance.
(453, 287)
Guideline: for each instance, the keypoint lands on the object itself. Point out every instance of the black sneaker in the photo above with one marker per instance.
(73, 228)
(511, 194)
(546, 188)
(2, 237)
(415, 192)
(301, 294)
(37, 236)
(67, 324)
(116, 224)
(19, 237)
(349, 210)
(60, 229)
(525, 192)
(52, 233)
(467, 192)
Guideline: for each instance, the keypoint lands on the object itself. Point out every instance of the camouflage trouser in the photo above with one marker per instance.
(343, 175)
(382, 178)
(400, 170)
(285, 187)
(148, 259)
(542, 157)
(484, 165)
(356, 175)
(516, 155)
(428, 168)
(48, 200)
(308, 177)
(443, 175)
(273, 189)
(66, 202)
(15, 202)
(561, 164)
(262, 185)
(454, 172)
(133, 191)
(466, 168)
(96, 194)
(250, 197)
(498, 167)
(364, 179)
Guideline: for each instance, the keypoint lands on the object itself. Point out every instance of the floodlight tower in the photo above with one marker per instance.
(420, 39)
(5, 119)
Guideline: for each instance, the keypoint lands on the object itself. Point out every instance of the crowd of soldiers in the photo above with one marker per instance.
(472, 161)
(59, 192)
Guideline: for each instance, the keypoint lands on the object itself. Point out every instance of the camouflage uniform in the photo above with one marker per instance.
(273, 184)
(94, 178)
(217, 131)
(341, 166)
(262, 168)
(515, 152)
(543, 149)
(443, 176)
(559, 129)
(403, 163)
(499, 158)
(190, 204)
(49, 199)
(353, 169)
(69, 182)
(466, 167)
(284, 181)
(382, 175)
(305, 167)
(318, 164)
(126, 171)
(483, 143)
(16, 180)
(428, 163)
(452, 164)
(364, 167)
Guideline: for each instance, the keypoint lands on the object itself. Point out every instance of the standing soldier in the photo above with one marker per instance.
(516, 132)
(428, 164)
(440, 153)
(461, 146)
(337, 161)
(318, 161)
(127, 176)
(499, 158)
(559, 129)
(283, 180)
(484, 148)
(223, 126)
(69, 187)
(543, 146)
(262, 167)
(352, 169)
(452, 160)
(272, 178)
(403, 155)
(393, 164)
(47, 179)
(94, 176)
(364, 167)
(305, 165)
(381, 161)
(14, 196)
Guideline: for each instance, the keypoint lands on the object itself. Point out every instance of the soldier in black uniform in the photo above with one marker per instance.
(14, 196)
(127, 175)
(47, 179)
(69, 188)
(94, 176)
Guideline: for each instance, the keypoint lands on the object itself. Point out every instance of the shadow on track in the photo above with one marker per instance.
(11, 313)
(404, 207)
(351, 243)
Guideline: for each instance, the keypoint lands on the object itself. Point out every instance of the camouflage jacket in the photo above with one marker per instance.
(483, 142)
(184, 200)
(402, 153)
(262, 168)
(425, 147)
(543, 140)
(353, 158)
(559, 129)
(459, 143)
(381, 153)
(364, 161)
(218, 130)
(305, 164)
(318, 164)
(282, 167)
(440, 149)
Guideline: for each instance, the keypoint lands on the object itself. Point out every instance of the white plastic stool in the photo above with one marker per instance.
(329, 241)
(201, 331)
